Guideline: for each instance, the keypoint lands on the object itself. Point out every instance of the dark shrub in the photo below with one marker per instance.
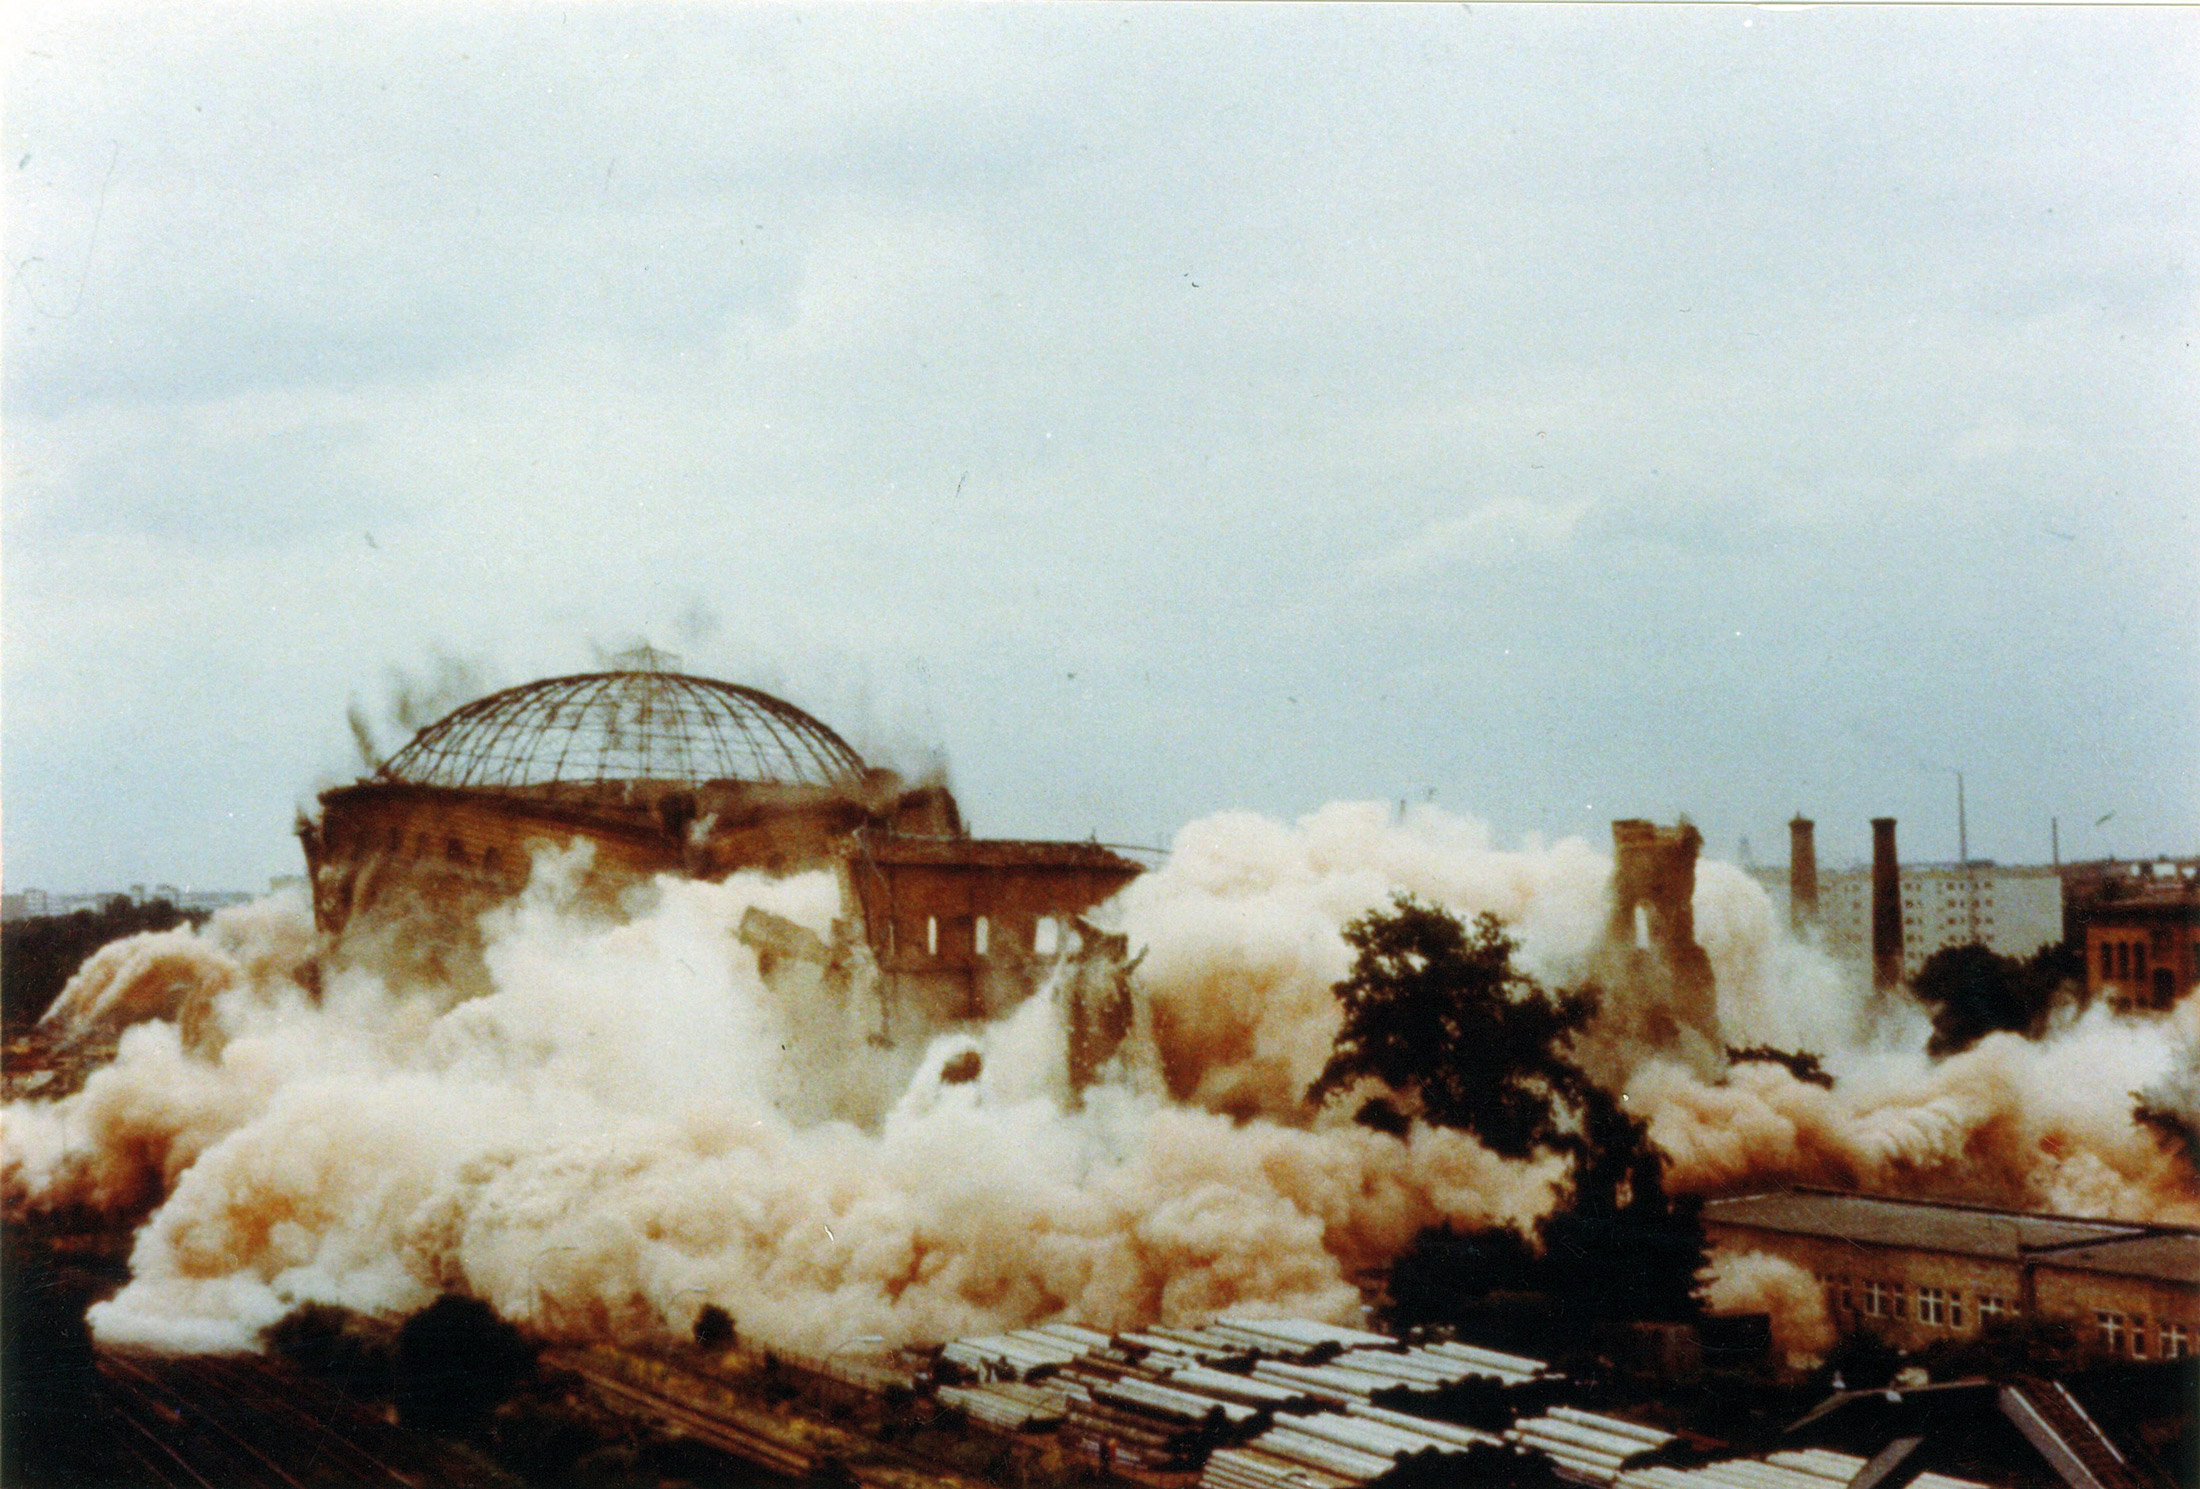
(456, 1362)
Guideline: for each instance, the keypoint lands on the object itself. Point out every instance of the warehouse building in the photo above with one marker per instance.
(1919, 1271)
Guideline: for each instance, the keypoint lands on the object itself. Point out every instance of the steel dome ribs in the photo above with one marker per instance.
(601, 727)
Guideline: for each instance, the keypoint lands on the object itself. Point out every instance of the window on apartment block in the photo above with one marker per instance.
(2138, 1338)
(1932, 1306)
(1900, 1298)
(2108, 960)
(2111, 1327)
(2176, 1342)
(1875, 1299)
(1992, 1309)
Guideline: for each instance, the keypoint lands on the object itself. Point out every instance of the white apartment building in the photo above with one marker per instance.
(2012, 911)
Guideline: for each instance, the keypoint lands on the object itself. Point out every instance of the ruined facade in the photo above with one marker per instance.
(1650, 943)
(662, 773)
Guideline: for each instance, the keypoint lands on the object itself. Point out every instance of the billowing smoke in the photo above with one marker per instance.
(631, 1121)
(1756, 1282)
(1242, 925)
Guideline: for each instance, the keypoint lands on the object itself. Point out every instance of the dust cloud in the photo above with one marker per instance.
(631, 1121)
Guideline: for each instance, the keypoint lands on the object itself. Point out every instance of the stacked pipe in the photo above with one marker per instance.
(1193, 1342)
(1168, 1398)
(1810, 1468)
(1513, 1370)
(1299, 1333)
(1224, 1386)
(1332, 1384)
(1583, 1446)
(1350, 1448)
(1256, 1468)
(1016, 1356)
(1441, 1432)
(1414, 1369)
(1125, 1408)
(1008, 1407)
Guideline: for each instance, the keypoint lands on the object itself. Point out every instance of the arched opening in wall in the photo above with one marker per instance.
(980, 935)
(1642, 927)
(931, 935)
(1046, 936)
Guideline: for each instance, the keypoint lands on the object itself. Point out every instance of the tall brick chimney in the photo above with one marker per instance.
(1886, 906)
(1802, 875)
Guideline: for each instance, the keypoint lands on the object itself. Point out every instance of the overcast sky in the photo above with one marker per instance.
(1571, 413)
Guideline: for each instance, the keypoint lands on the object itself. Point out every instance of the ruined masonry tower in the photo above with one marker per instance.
(1653, 912)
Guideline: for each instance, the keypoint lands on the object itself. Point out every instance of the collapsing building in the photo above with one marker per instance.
(656, 773)
(1650, 947)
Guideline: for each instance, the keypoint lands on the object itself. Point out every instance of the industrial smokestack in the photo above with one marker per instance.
(1802, 875)
(1886, 906)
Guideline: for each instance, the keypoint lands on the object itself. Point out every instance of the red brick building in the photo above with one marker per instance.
(1917, 1271)
(2142, 947)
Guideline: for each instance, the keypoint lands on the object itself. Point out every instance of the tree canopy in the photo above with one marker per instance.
(1972, 991)
(1460, 1037)
(1442, 1017)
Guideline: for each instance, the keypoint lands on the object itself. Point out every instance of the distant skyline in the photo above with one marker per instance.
(1556, 413)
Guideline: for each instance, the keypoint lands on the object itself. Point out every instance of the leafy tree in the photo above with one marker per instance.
(1972, 992)
(456, 1361)
(1446, 1021)
(1460, 1037)
(714, 1328)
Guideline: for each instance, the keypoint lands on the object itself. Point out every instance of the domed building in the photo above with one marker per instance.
(660, 772)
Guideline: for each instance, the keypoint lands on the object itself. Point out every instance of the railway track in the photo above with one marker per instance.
(239, 1422)
(741, 1440)
(750, 1436)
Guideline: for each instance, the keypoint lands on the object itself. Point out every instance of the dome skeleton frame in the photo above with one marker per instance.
(600, 728)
